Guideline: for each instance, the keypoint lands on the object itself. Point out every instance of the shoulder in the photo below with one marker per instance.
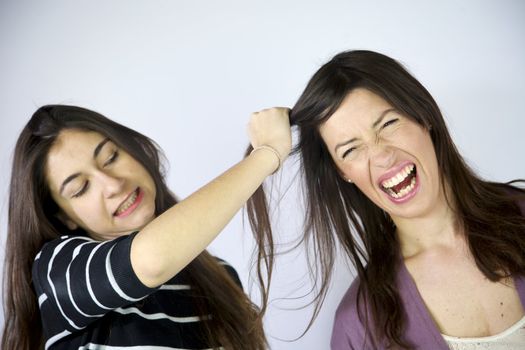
(107, 262)
(230, 270)
(349, 332)
(515, 190)
(62, 241)
(78, 280)
(520, 194)
(64, 249)
(347, 309)
(53, 251)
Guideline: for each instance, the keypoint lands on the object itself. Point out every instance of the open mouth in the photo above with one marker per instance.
(401, 184)
(129, 204)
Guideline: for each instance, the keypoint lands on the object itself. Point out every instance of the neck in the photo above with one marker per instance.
(437, 229)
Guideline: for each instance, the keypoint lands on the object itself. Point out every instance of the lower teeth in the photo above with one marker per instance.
(404, 191)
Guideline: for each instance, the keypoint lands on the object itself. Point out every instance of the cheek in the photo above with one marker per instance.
(345, 171)
(359, 174)
(419, 139)
(430, 151)
(427, 153)
(361, 177)
(89, 212)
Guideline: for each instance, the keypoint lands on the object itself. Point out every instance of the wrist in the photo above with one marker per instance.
(269, 150)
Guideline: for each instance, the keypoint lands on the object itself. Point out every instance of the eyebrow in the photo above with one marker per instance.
(75, 175)
(374, 125)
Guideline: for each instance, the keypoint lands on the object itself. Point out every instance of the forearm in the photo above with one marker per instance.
(175, 238)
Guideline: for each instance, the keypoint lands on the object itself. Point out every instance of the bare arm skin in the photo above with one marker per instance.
(172, 240)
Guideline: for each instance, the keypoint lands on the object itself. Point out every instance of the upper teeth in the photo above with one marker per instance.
(124, 206)
(398, 178)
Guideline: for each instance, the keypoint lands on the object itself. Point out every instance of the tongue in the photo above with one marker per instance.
(403, 183)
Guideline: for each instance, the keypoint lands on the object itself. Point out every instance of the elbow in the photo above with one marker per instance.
(148, 266)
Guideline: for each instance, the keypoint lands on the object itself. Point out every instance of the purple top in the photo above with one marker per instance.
(421, 331)
(349, 331)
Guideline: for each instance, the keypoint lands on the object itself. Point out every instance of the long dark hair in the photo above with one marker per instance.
(338, 212)
(32, 222)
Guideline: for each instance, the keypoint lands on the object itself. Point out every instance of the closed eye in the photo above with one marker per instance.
(347, 152)
(82, 190)
(390, 122)
(114, 156)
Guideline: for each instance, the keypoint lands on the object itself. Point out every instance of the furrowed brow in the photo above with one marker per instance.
(344, 143)
(381, 116)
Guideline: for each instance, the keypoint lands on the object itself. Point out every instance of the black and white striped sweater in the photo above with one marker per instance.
(90, 298)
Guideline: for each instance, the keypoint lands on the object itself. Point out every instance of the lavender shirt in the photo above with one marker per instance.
(349, 331)
(421, 331)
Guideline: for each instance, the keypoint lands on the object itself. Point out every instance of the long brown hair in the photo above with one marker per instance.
(236, 323)
(338, 212)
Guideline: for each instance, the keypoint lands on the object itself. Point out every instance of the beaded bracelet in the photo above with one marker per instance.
(270, 148)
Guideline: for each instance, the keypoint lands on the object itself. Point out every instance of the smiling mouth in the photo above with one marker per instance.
(129, 203)
(402, 183)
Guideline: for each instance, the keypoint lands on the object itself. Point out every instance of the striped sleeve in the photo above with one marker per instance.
(78, 280)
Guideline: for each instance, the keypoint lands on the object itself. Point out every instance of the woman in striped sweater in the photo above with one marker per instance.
(99, 253)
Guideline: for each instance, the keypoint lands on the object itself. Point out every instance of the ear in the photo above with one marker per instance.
(343, 176)
(70, 224)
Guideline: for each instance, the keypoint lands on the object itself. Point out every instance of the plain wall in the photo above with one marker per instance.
(189, 73)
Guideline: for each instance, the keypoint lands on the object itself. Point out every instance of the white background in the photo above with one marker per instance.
(189, 73)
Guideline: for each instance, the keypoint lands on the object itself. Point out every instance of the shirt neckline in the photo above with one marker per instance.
(491, 338)
(415, 297)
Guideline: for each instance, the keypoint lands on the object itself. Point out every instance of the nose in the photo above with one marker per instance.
(381, 156)
(111, 185)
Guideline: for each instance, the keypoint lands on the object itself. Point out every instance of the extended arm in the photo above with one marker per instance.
(171, 241)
